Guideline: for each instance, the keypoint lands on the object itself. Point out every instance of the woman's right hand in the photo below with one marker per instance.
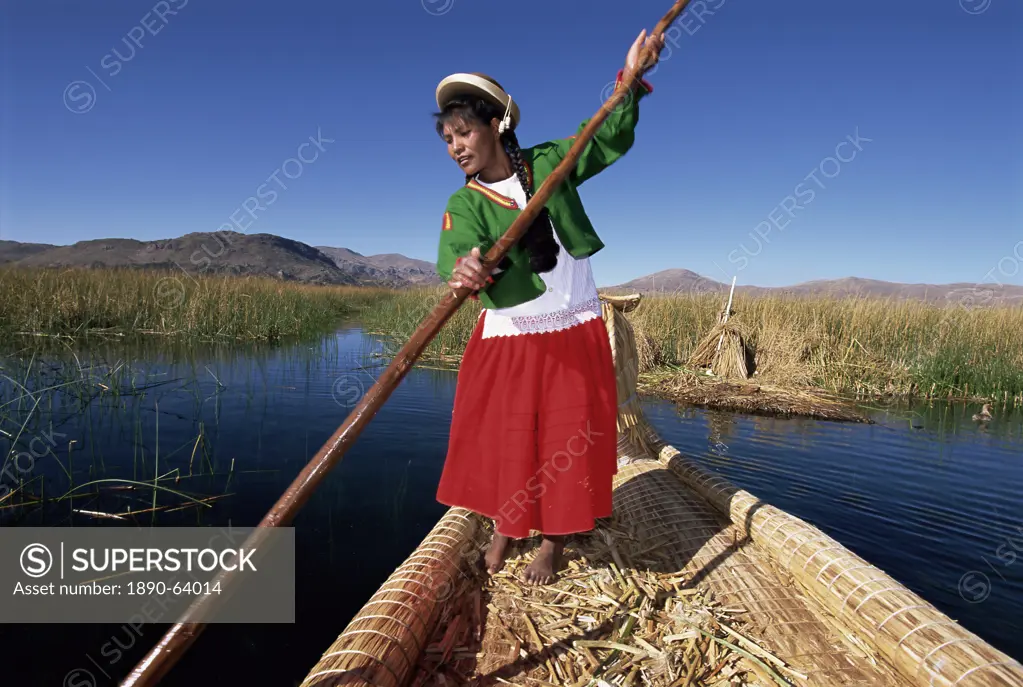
(468, 271)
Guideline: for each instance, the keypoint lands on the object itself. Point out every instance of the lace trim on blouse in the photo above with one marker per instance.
(544, 322)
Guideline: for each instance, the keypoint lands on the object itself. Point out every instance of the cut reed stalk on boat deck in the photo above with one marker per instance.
(595, 625)
(630, 597)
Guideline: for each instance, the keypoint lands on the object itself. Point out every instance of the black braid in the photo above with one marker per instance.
(539, 238)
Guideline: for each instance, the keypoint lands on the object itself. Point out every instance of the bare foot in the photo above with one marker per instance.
(496, 553)
(548, 559)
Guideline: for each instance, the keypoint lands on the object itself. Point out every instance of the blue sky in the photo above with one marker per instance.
(751, 100)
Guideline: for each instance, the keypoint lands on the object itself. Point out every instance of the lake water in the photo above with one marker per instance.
(924, 494)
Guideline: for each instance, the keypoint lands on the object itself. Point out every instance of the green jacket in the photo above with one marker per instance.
(478, 216)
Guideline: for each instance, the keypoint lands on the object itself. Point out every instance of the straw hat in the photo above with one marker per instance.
(482, 86)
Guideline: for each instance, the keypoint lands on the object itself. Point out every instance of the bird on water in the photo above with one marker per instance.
(984, 415)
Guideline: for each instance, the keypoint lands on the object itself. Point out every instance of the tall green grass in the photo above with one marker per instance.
(400, 314)
(849, 345)
(844, 345)
(75, 302)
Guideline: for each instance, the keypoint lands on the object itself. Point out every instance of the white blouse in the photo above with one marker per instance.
(571, 296)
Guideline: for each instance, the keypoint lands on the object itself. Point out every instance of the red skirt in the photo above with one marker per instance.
(534, 434)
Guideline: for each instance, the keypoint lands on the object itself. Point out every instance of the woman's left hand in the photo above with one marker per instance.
(656, 44)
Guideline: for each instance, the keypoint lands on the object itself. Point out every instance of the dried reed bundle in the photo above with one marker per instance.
(726, 351)
(632, 442)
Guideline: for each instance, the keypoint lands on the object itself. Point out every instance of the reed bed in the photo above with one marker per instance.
(115, 302)
(866, 347)
(402, 312)
(863, 346)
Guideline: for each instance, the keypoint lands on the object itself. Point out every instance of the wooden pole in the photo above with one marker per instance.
(728, 309)
(162, 657)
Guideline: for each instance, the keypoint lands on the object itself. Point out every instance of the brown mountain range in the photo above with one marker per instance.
(275, 256)
(228, 253)
(685, 281)
(386, 268)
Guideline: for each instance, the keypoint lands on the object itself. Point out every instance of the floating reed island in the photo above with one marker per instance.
(851, 347)
(691, 581)
(789, 355)
(719, 371)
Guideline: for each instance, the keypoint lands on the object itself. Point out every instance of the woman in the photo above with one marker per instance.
(533, 435)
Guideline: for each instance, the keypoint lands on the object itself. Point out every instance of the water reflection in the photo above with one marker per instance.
(721, 426)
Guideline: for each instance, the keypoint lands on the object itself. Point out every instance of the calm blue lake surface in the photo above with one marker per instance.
(924, 494)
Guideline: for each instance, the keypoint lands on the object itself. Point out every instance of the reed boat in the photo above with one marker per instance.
(692, 581)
